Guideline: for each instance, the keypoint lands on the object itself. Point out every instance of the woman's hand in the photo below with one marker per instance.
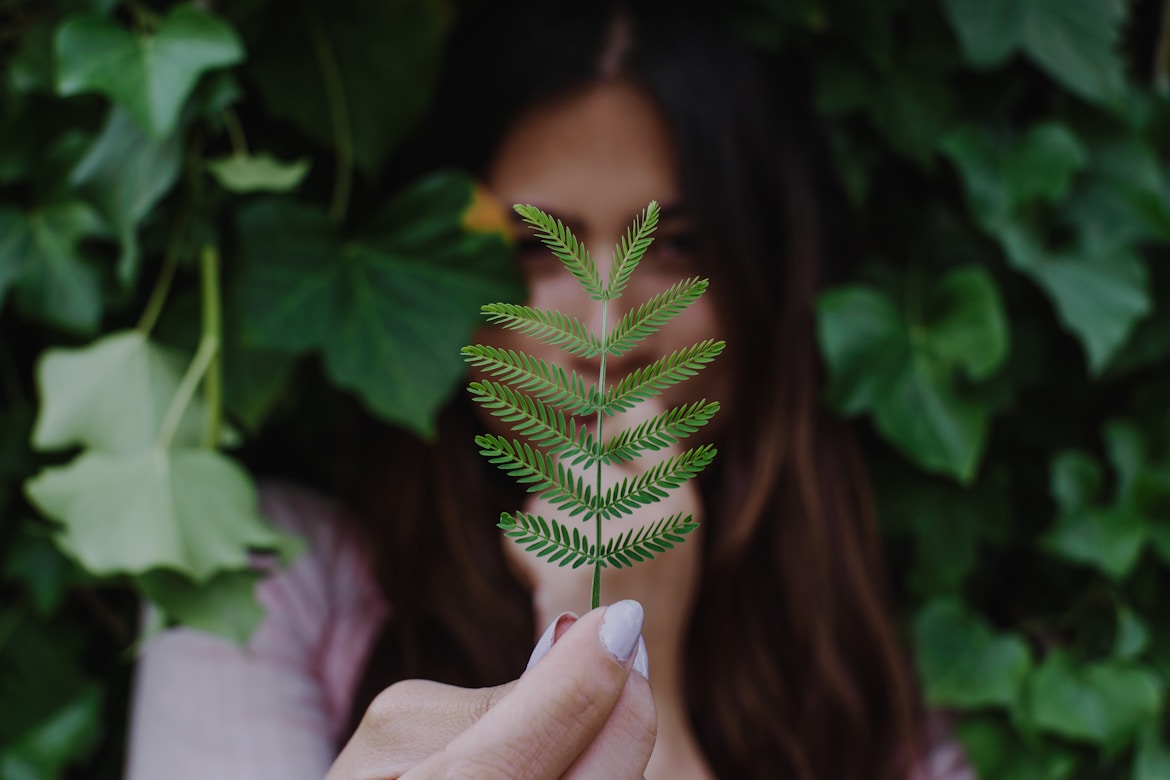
(576, 713)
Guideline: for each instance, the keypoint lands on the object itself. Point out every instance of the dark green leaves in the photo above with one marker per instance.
(962, 663)
(40, 259)
(1096, 702)
(150, 75)
(387, 308)
(1076, 42)
(1099, 288)
(354, 76)
(912, 367)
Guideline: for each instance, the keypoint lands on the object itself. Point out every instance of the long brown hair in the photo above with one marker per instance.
(794, 667)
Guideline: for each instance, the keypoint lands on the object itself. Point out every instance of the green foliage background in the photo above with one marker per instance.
(197, 253)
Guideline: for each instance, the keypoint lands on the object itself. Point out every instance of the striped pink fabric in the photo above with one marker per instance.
(204, 707)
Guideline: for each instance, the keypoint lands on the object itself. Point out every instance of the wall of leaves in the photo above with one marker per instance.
(198, 255)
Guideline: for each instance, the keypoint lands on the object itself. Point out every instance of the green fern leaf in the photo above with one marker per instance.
(542, 401)
(654, 484)
(630, 250)
(662, 431)
(642, 544)
(548, 539)
(565, 246)
(540, 472)
(551, 384)
(639, 323)
(543, 425)
(665, 372)
(549, 327)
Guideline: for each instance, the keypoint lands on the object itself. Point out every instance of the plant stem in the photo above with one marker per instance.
(204, 356)
(166, 274)
(235, 131)
(338, 113)
(597, 494)
(213, 331)
(1161, 69)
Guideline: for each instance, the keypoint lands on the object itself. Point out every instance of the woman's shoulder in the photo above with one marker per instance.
(332, 565)
(942, 756)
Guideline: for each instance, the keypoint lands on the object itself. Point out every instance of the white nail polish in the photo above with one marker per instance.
(545, 643)
(621, 628)
(642, 660)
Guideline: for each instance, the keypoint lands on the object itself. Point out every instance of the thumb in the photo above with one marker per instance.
(559, 706)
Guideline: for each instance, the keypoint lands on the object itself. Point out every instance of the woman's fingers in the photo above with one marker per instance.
(408, 723)
(555, 712)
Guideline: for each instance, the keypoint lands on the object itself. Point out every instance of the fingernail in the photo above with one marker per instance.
(545, 643)
(621, 628)
(642, 660)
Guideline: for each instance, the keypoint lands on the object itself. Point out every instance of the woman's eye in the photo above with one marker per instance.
(532, 255)
(674, 250)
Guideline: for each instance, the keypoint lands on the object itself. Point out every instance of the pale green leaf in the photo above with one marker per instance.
(150, 75)
(111, 396)
(193, 511)
(962, 662)
(224, 605)
(258, 173)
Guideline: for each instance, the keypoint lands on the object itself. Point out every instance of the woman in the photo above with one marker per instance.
(769, 632)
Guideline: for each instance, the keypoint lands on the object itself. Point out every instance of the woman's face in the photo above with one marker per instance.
(595, 160)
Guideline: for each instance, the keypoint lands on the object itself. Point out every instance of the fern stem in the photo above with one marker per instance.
(600, 439)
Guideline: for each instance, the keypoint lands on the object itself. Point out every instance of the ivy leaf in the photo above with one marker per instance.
(150, 76)
(1100, 297)
(1076, 43)
(1100, 289)
(1152, 759)
(224, 605)
(124, 174)
(1002, 176)
(256, 173)
(1132, 637)
(962, 663)
(906, 367)
(331, 66)
(389, 309)
(66, 735)
(40, 667)
(111, 396)
(1102, 703)
(45, 574)
(193, 511)
(996, 752)
(39, 257)
(1108, 539)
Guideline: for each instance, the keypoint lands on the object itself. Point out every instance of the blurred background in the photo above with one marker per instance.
(189, 192)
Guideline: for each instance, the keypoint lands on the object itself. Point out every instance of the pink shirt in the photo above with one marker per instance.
(205, 707)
